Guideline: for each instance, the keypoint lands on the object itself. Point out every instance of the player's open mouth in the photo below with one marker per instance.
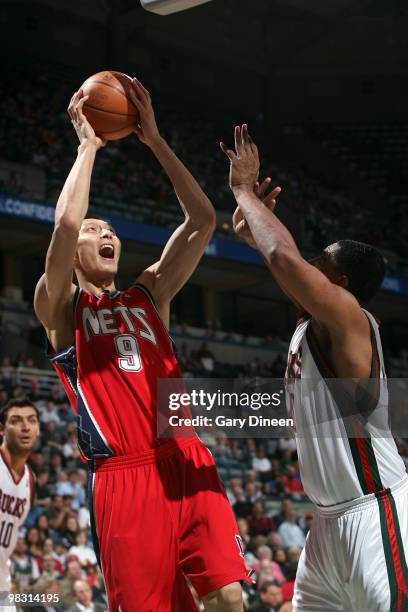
(107, 251)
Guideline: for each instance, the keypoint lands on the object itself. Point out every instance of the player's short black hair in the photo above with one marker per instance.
(98, 218)
(363, 265)
(21, 402)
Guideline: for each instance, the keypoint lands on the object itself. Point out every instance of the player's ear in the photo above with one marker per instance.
(343, 281)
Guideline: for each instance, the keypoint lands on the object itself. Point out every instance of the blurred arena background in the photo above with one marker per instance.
(324, 88)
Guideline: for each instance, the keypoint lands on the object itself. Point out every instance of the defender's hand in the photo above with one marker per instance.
(83, 128)
(239, 222)
(147, 130)
(244, 161)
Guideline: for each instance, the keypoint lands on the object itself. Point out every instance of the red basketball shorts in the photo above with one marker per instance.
(158, 518)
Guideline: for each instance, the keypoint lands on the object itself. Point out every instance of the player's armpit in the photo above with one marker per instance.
(52, 313)
(325, 301)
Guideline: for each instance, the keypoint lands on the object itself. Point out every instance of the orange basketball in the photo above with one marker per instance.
(109, 108)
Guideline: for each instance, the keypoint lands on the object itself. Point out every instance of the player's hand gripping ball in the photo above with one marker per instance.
(109, 107)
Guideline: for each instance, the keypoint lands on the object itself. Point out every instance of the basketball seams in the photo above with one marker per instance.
(106, 85)
(102, 110)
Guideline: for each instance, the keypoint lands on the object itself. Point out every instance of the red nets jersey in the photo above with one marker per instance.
(110, 375)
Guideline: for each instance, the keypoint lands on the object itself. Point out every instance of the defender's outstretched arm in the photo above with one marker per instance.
(325, 301)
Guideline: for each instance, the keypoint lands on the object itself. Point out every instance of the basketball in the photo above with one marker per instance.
(109, 108)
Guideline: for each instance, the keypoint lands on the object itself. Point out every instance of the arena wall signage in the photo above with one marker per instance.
(150, 234)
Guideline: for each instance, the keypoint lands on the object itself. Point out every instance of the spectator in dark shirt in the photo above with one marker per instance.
(259, 523)
(286, 505)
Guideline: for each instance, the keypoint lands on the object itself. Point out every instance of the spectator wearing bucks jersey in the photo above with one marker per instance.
(355, 556)
(19, 429)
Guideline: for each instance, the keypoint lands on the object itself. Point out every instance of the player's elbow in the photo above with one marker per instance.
(210, 221)
(67, 225)
(206, 222)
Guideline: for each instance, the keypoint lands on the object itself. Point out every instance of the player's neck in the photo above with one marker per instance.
(99, 288)
(15, 462)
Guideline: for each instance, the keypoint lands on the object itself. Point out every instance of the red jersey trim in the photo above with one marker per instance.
(32, 485)
(8, 466)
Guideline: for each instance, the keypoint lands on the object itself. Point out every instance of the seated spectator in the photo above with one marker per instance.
(49, 437)
(270, 598)
(55, 467)
(74, 572)
(86, 555)
(242, 506)
(7, 373)
(83, 518)
(287, 443)
(37, 462)
(259, 523)
(292, 483)
(261, 463)
(70, 448)
(48, 549)
(24, 567)
(274, 541)
(251, 475)
(96, 581)
(83, 599)
(222, 447)
(274, 488)
(244, 531)
(41, 525)
(307, 522)
(289, 585)
(285, 460)
(290, 532)
(50, 413)
(49, 569)
(265, 563)
(293, 555)
(33, 542)
(286, 505)
(69, 529)
(72, 486)
(48, 586)
(253, 491)
(234, 489)
(279, 556)
(205, 358)
(42, 490)
(56, 512)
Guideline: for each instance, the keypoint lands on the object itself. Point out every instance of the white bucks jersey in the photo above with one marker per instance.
(344, 442)
(15, 500)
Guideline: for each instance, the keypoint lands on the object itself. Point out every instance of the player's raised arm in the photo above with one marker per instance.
(189, 241)
(55, 288)
(323, 298)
